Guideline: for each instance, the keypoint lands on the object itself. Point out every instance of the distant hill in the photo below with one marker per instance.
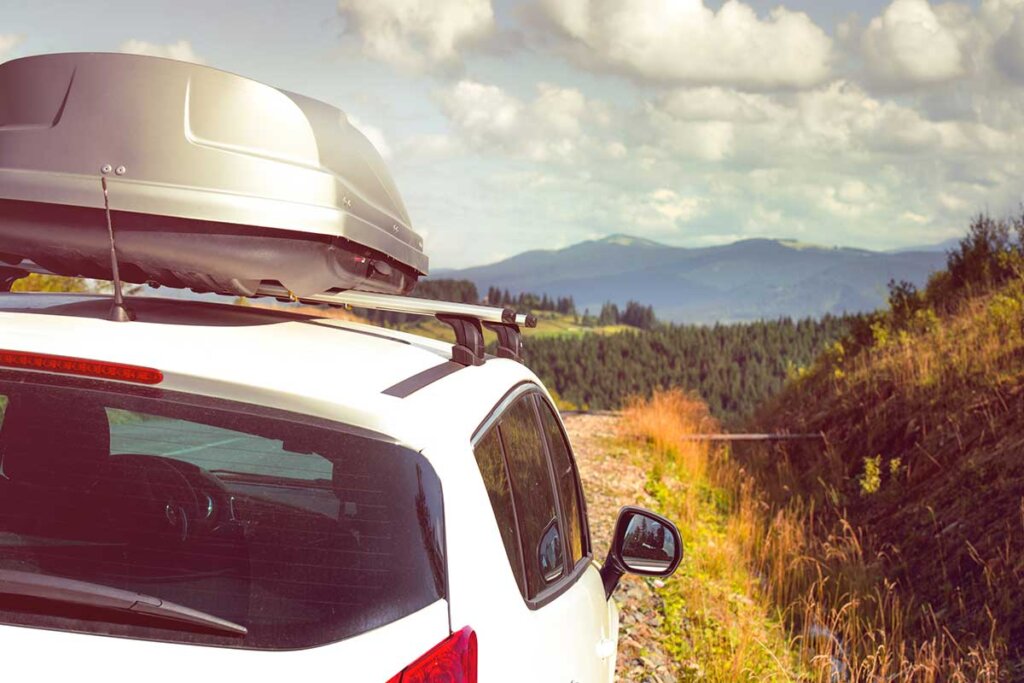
(747, 280)
(943, 246)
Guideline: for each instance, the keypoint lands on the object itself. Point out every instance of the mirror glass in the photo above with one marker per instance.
(648, 546)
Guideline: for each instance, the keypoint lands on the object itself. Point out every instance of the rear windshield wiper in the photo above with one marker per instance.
(60, 589)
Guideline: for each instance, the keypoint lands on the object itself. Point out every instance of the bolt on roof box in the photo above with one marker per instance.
(216, 182)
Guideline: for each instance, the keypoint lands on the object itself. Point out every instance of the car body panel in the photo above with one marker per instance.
(373, 657)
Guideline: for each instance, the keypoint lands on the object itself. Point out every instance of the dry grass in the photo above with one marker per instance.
(720, 624)
(791, 559)
(913, 512)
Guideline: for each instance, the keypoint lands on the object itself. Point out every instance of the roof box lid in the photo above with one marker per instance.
(216, 182)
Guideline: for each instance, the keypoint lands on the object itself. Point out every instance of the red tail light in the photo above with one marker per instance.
(453, 660)
(79, 366)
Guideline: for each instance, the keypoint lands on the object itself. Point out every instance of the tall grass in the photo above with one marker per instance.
(814, 570)
(719, 622)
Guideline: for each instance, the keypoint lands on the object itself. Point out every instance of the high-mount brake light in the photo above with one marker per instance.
(453, 660)
(22, 360)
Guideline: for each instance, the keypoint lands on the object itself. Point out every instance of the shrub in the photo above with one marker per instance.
(990, 255)
(871, 479)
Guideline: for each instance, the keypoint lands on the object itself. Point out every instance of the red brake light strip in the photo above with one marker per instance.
(81, 367)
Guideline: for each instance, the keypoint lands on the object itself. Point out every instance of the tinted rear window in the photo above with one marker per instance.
(300, 531)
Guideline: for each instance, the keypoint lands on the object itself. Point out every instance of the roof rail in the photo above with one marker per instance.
(464, 319)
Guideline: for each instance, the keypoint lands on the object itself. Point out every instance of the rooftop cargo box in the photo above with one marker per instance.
(216, 182)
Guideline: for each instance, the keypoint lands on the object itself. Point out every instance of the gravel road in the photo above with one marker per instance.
(612, 477)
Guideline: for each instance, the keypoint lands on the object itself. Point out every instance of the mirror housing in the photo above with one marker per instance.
(644, 543)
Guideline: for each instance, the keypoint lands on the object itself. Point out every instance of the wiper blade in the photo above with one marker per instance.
(76, 592)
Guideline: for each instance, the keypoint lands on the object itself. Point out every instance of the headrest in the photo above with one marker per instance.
(46, 438)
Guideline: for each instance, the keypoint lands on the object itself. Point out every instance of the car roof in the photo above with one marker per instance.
(380, 380)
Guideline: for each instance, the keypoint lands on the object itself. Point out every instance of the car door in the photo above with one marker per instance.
(568, 623)
(586, 595)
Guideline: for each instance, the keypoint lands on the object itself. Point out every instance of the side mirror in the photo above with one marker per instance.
(645, 543)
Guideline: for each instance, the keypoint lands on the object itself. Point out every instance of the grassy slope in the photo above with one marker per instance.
(720, 625)
(912, 519)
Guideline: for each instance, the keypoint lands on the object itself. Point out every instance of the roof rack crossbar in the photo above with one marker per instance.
(395, 304)
(464, 319)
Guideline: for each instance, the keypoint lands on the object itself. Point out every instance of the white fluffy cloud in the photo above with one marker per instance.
(8, 41)
(838, 124)
(683, 41)
(913, 124)
(553, 125)
(418, 34)
(181, 50)
(666, 208)
(910, 44)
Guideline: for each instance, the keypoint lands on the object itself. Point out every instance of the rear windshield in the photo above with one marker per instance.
(171, 517)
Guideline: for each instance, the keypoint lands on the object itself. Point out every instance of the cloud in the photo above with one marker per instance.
(8, 41)
(683, 41)
(551, 126)
(1009, 47)
(418, 34)
(430, 147)
(909, 123)
(909, 44)
(659, 213)
(670, 206)
(181, 50)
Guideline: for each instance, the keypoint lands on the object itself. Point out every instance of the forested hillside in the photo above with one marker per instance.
(732, 367)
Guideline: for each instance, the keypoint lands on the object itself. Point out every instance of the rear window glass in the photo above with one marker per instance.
(269, 530)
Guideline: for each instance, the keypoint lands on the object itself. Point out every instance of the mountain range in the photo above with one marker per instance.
(746, 280)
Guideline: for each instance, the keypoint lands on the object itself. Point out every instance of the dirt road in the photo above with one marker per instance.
(612, 478)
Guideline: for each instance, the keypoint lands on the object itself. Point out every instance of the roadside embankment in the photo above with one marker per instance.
(710, 621)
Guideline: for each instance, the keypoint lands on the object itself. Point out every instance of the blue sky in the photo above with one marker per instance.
(537, 124)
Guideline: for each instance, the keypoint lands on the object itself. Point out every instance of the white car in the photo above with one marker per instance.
(235, 493)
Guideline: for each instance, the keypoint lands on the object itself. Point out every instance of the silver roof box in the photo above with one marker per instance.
(216, 182)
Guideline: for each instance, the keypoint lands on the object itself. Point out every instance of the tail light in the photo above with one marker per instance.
(453, 660)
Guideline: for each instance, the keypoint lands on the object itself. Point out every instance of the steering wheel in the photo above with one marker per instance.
(174, 500)
(167, 503)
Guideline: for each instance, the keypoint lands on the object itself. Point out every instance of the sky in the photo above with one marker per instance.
(523, 124)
